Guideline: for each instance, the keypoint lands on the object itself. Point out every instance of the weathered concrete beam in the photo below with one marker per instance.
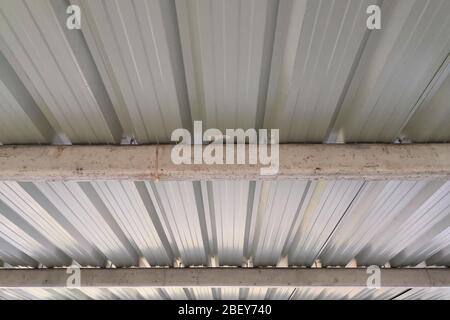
(225, 277)
(153, 162)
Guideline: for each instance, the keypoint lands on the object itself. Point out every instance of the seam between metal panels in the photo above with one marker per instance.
(250, 204)
(340, 219)
(292, 294)
(201, 213)
(400, 294)
(291, 233)
(432, 86)
(264, 78)
(354, 67)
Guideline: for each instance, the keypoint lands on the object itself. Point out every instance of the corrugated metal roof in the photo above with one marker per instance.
(224, 293)
(137, 70)
(53, 223)
(140, 69)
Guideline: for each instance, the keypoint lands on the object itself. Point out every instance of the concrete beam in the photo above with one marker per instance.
(225, 277)
(153, 162)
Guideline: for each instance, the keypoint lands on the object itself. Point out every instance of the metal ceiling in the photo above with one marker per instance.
(403, 223)
(140, 69)
(223, 293)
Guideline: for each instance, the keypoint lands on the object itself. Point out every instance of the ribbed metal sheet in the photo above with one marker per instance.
(345, 293)
(223, 293)
(395, 68)
(426, 294)
(397, 221)
(229, 222)
(430, 110)
(139, 69)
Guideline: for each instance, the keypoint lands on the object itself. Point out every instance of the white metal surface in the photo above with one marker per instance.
(139, 69)
(53, 223)
(395, 69)
(224, 293)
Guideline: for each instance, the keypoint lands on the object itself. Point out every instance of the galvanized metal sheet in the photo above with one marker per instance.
(232, 223)
(137, 70)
